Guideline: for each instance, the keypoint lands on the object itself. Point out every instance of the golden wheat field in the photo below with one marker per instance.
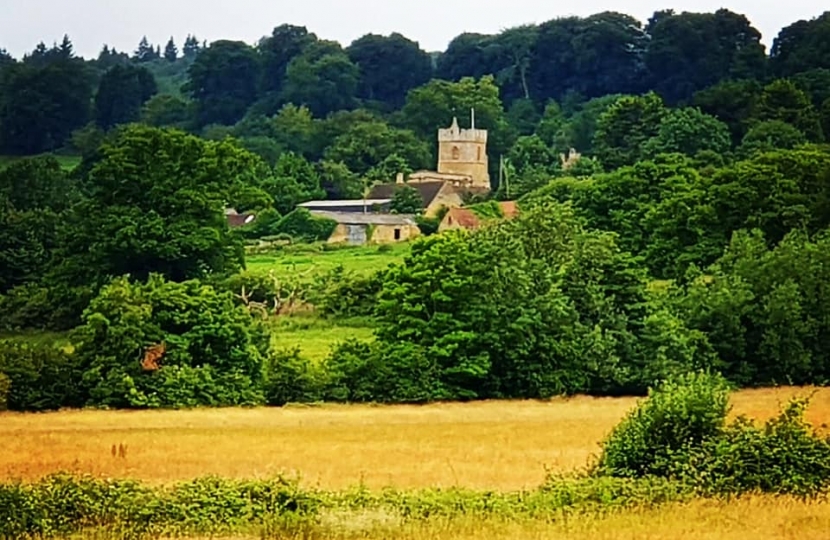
(488, 445)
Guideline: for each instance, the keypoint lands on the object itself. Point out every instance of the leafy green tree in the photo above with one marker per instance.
(579, 130)
(510, 55)
(208, 351)
(389, 67)
(802, 46)
(523, 117)
(824, 114)
(171, 52)
(322, 78)
(122, 93)
(33, 193)
(688, 52)
(366, 145)
(624, 128)
(284, 44)
(467, 55)
(223, 81)
(732, 102)
(42, 103)
(506, 312)
(764, 309)
(338, 181)
(594, 56)
(782, 100)
(294, 181)
(770, 136)
(815, 83)
(164, 110)
(156, 201)
(689, 131)
(407, 200)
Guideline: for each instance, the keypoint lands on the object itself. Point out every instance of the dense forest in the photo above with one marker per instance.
(692, 234)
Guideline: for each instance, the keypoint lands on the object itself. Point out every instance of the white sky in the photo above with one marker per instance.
(433, 23)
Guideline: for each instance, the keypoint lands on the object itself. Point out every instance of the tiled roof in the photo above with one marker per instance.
(462, 217)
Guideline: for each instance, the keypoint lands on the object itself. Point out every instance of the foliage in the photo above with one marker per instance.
(210, 352)
(155, 204)
(122, 93)
(624, 128)
(289, 378)
(39, 377)
(406, 200)
(764, 310)
(680, 433)
(303, 226)
(679, 415)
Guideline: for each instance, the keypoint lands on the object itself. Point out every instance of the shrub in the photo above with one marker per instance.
(302, 225)
(339, 293)
(39, 377)
(786, 456)
(290, 378)
(162, 344)
(679, 416)
(5, 388)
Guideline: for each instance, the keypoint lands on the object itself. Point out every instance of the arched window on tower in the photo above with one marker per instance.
(479, 154)
(456, 153)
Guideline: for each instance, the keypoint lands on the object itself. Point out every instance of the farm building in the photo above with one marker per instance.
(468, 218)
(360, 206)
(357, 229)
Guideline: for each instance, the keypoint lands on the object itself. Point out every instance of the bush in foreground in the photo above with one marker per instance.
(680, 433)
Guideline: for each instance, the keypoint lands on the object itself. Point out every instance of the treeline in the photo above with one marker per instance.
(293, 91)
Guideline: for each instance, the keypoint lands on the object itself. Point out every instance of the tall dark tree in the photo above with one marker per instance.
(595, 56)
(171, 52)
(732, 102)
(466, 56)
(191, 47)
(284, 44)
(145, 52)
(110, 57)
(692, 51)
(389, 67)
(41, 104)
(322, 78)
(223, 81)
(122, 92)
(802, 46)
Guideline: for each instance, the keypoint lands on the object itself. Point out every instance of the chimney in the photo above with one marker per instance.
(399, 178)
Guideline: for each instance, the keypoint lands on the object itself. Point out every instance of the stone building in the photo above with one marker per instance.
(359, 229)
(435, 194)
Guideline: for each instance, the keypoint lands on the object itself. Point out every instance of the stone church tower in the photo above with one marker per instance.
(464, 152)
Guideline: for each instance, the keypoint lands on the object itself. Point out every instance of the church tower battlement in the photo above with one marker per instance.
(464, 152)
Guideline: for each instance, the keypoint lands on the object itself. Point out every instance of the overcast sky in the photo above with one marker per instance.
(433, 23)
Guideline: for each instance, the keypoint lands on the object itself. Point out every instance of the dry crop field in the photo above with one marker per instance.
(489, 445)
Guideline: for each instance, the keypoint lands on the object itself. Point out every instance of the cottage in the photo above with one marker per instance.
(359, 229)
